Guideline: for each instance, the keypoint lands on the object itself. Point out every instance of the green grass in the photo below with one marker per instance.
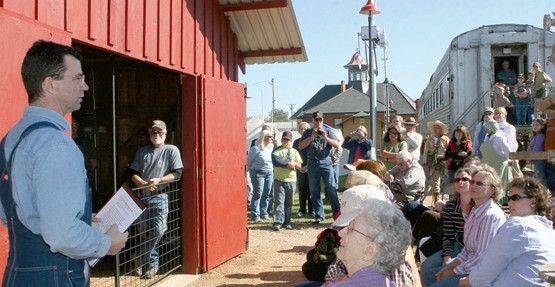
(304, 221)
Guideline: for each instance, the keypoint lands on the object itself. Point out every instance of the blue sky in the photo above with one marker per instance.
(418, 34)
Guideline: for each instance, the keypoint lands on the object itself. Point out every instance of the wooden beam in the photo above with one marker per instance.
(534, 155)
(270, 53)
(255, 5)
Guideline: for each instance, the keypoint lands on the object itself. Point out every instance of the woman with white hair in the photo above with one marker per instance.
(373, 245)
(261, 170)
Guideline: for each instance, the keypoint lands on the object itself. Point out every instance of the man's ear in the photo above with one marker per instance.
(48, 85)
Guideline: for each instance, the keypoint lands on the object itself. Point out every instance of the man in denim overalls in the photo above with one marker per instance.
(48, 211)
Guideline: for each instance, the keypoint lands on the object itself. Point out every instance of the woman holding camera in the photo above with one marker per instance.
(360, 147)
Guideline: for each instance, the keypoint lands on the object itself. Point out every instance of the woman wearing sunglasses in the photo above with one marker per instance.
(524, 243)
(454, 214)
(480, 227)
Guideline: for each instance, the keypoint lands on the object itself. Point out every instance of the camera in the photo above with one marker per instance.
(319, 133)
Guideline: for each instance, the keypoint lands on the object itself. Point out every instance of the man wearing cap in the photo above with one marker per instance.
(540, 80)
(434, 156)
(413, 139)
(285, 181)
(319, 141)
(153, 165)
(480, 132)
(506, 74)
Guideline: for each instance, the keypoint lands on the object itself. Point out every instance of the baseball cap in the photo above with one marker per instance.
(158, 124)
(349, 167)
(287, 135)
(317, 115)
(488, 109)
(354, 199)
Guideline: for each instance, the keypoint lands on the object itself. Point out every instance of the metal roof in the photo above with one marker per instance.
(267, 30)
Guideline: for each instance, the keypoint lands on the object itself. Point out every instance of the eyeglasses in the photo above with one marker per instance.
(156, 132)
(318, 119)
(478, 183)
(517, 197)
(78, 77)
(350, 227)
(463, 179)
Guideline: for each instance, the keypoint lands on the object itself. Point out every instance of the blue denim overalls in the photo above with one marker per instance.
(30, 261)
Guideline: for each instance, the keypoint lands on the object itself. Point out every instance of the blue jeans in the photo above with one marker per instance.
(283, 201)
(262, 182)
(304, 192)
(433, 264)
(523, 113)
(324, 170)
(550, 175)
(152, 226)
(452, 281)
(539, 168)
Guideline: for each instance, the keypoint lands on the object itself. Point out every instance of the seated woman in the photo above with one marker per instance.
(524, 243)
(391, 146)
(481, 226)
(373, 245)
(454, 214)
(353, 201)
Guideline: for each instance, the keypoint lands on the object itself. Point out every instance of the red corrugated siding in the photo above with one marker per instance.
(12, 93)
(225, 202)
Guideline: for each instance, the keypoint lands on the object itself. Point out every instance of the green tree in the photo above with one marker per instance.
(279, 116)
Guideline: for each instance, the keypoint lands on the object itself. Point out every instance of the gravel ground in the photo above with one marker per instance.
(274, 258)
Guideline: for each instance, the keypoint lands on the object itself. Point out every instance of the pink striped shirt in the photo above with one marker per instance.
(480, 228)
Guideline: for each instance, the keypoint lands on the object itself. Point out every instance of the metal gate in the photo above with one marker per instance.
(121, 270)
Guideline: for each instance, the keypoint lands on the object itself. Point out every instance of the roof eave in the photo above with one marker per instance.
(267, 32)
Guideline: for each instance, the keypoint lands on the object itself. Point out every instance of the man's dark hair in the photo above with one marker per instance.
(44, 59)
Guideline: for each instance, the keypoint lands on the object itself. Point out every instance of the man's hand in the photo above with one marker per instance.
(389, 177)
(118, 240)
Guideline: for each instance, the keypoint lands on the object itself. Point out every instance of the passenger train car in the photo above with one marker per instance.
(458, 90)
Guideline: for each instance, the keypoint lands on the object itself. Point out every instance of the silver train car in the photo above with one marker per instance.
(458, 90)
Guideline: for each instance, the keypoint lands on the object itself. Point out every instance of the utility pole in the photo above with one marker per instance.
(273, 100)
(386, 82)
(291, 107)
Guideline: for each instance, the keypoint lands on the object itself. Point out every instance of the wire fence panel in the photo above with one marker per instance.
(134, 265)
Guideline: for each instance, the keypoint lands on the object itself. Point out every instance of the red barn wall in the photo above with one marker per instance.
(191, 37)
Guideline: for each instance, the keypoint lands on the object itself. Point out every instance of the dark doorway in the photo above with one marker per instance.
(124, 96)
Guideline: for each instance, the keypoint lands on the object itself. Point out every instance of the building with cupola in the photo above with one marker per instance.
(347, 105)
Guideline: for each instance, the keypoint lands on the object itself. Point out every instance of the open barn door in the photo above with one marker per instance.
(223, 163)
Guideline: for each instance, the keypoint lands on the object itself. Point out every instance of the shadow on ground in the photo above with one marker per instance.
(273, 279)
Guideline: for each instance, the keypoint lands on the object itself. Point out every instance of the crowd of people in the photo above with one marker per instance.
(465, 241)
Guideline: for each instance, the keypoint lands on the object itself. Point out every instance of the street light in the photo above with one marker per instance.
(371, 9)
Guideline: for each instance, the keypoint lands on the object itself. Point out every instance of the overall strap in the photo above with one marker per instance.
(6, 162)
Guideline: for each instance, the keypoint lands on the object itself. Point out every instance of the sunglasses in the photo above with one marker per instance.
(463, 179)
(318, 119)
(516, 197)
(478, 183)
(155, 132)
